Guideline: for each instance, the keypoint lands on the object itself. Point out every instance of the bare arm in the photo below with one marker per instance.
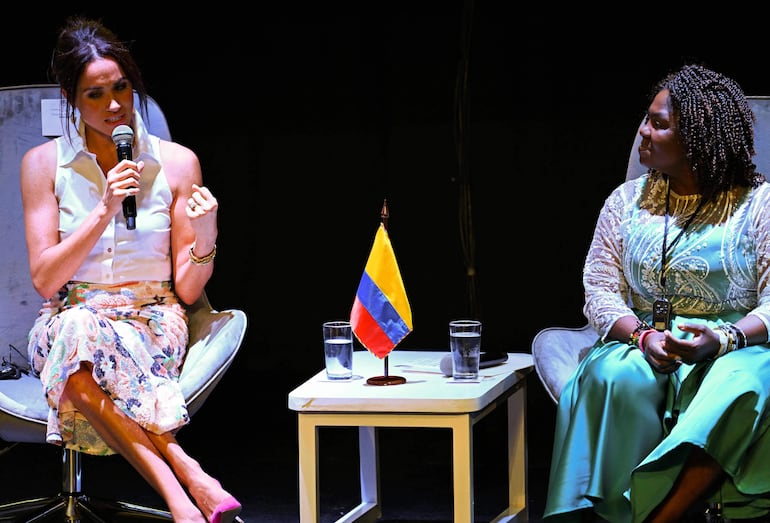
(188, 225)
(53, 261)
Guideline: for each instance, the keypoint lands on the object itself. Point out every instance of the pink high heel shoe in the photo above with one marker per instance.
(227, 511)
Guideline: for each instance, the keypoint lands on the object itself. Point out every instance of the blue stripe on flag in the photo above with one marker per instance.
(380, 308)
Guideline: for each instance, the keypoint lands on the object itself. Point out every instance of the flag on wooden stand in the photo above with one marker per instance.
(381, 316)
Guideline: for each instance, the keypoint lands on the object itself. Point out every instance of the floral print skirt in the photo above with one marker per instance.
(134, 336)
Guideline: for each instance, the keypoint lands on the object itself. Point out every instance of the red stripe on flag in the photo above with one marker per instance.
(368, 331)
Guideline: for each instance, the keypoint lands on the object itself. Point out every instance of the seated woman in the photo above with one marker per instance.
(670, 407)
(112, 334)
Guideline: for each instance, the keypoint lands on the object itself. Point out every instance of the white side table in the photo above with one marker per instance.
(427, 399)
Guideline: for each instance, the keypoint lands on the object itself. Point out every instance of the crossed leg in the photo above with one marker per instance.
(159, 459)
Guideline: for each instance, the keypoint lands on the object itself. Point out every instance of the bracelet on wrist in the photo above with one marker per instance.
(731, 337)
(641, 326)
(723, 343)
(741, 340)
(204, 260)
(642, 337)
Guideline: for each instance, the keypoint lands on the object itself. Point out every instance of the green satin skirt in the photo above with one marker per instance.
(624, 431)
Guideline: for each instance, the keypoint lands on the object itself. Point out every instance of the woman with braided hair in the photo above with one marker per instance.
(669, 409)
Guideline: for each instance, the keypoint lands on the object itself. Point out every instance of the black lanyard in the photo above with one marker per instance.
(668, 248)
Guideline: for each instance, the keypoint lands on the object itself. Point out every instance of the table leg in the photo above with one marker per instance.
(369, 462)
(517, 510)
(517, 454)
(368, 510)
(462, 467)
(309, 510)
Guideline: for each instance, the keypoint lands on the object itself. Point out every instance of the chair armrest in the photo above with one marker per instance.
(556, 352)
(215, 338)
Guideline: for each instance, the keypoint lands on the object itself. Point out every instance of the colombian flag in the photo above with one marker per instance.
(381, 315)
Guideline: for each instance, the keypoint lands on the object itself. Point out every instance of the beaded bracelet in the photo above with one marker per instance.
(740, 337)
(642, 336)
(205, 260)
(723, 343)
(731, 337)
(633, 339)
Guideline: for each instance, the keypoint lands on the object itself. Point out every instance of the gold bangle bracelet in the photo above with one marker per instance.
(205, 260)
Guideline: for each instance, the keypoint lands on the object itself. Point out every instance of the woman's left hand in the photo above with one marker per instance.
(202, 210)
(703, 345)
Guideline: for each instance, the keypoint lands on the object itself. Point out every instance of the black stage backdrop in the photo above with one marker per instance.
(306, 116)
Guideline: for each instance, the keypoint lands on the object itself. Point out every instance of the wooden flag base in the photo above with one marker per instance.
(386, 380)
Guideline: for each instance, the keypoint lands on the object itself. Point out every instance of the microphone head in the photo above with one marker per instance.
(123, 134)
(446, 365)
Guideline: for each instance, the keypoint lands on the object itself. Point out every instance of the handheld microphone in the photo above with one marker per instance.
(123, 136)
(486, 360)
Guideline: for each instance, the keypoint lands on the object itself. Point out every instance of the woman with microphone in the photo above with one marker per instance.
(111, 336)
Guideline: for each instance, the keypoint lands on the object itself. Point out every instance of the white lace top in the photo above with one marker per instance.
(719, 267)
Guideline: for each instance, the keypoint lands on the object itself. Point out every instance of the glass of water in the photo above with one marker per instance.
(338, 349)
(465, 345)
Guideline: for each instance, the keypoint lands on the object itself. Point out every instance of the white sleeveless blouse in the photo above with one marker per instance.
(120, 255)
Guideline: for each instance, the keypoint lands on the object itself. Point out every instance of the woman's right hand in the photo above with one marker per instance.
(656, 355)
(122, 181)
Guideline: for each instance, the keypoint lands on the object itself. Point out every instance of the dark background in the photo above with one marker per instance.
(306, 116)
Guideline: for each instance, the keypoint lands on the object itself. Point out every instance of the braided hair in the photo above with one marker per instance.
(716, 127)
